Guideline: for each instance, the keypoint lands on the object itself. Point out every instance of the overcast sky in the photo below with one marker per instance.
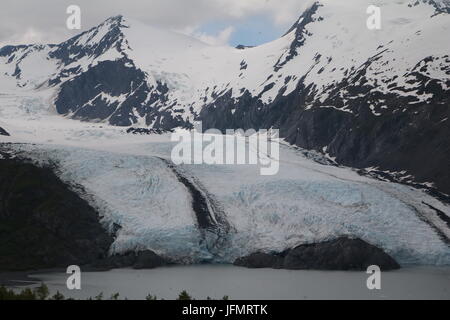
(233, 22)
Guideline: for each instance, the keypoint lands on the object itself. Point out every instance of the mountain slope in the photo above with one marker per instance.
(368, 99)
(44, 224)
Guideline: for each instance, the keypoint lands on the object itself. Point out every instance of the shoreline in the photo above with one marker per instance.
(238, 283)
(30, 277)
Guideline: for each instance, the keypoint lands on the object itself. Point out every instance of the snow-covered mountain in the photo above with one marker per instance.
(377, 100)
(368, 98)
(162, 71)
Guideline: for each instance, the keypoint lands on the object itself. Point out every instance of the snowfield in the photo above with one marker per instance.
(125, 178)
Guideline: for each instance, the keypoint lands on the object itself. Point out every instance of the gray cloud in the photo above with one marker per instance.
(26, 21)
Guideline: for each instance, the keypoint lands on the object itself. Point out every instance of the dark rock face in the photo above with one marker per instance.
(3, 132)
(87, 96)
(146, 259)
(146, 131)
(243, 47)
(98, 94)
(398, 135)
(260, 260)
(340, 254)
(299, 27)
(43, 224)
(442, 6)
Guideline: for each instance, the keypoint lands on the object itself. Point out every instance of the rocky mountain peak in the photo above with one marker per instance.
(94, 42)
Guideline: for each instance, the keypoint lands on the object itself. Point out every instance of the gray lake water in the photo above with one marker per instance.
(215, 281)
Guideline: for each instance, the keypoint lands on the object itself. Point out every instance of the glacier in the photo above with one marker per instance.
(125, 178)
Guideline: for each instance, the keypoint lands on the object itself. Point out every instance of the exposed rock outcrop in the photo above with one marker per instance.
(3, 132)
(43, 224)
(146, 259)
(146, 131)
(339, 254)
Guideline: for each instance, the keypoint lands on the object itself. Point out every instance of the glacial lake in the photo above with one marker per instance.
(215, 281)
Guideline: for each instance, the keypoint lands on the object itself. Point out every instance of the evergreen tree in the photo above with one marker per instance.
(41, 292)
(184, 296)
